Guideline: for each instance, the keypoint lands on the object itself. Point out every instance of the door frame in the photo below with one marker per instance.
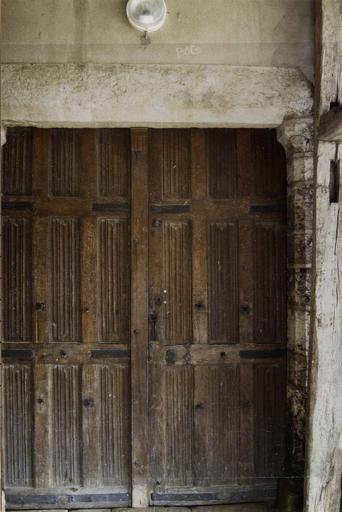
(27, 88)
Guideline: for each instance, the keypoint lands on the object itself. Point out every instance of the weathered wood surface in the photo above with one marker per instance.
(330, 128)
(139, 317)
(67, 340)
(325, 457)
(146, 316)
(324, 440)
(217, 301)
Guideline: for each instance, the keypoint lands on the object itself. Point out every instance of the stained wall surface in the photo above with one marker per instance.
(275, 33)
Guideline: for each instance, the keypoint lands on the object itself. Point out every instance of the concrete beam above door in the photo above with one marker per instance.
(152, 95)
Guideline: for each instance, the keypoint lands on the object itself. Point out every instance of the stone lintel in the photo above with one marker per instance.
(158, 95)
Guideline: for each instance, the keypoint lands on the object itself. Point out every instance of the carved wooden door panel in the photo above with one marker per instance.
(91, 219)
(66, 247)
(217, 274)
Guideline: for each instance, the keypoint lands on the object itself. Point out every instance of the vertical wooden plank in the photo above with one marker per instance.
(139, 317)
(40, 279)
(246, 286)
(40, 189)
(179, 396)
(247, 435)
(91, 406)
(114, 421)
(222, 161)
(88, 257)
(17, 275)
(244, 163)
(200, 303)
(223, 403)
(17, 162)
(199, 186)
(202, 457)
(155, 161)
(113, 280)
(223, 282)
(64, 279)
(269, 419)
(42, 427)
(65, 425)
(105, 419)
(157, 425)
(245, 236)
(177, 280)
(41, 158)
(88, 274)
(18, 425)
(269, 282)
(199, 165)
(157, 298)
(175, 164)
(113, 163)
(157, 294)
(65, 164)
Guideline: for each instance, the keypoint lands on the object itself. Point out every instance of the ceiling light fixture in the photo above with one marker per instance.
(146, 15)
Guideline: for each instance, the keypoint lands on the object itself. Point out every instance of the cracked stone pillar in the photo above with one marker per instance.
(296, 136)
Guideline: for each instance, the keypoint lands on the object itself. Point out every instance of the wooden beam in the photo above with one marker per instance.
(330, 127)
(139, 317)
(324, 424)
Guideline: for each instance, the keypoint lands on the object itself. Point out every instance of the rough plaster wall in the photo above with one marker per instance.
(238, 32)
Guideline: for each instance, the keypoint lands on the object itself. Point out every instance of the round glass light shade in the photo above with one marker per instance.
(146, 15)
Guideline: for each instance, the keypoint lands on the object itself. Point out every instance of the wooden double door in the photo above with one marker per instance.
(144, 308)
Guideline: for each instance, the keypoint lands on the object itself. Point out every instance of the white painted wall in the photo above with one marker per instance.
(238, 32)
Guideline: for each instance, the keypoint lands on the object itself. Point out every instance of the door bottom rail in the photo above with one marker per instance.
(228, 495)
(31, 500)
